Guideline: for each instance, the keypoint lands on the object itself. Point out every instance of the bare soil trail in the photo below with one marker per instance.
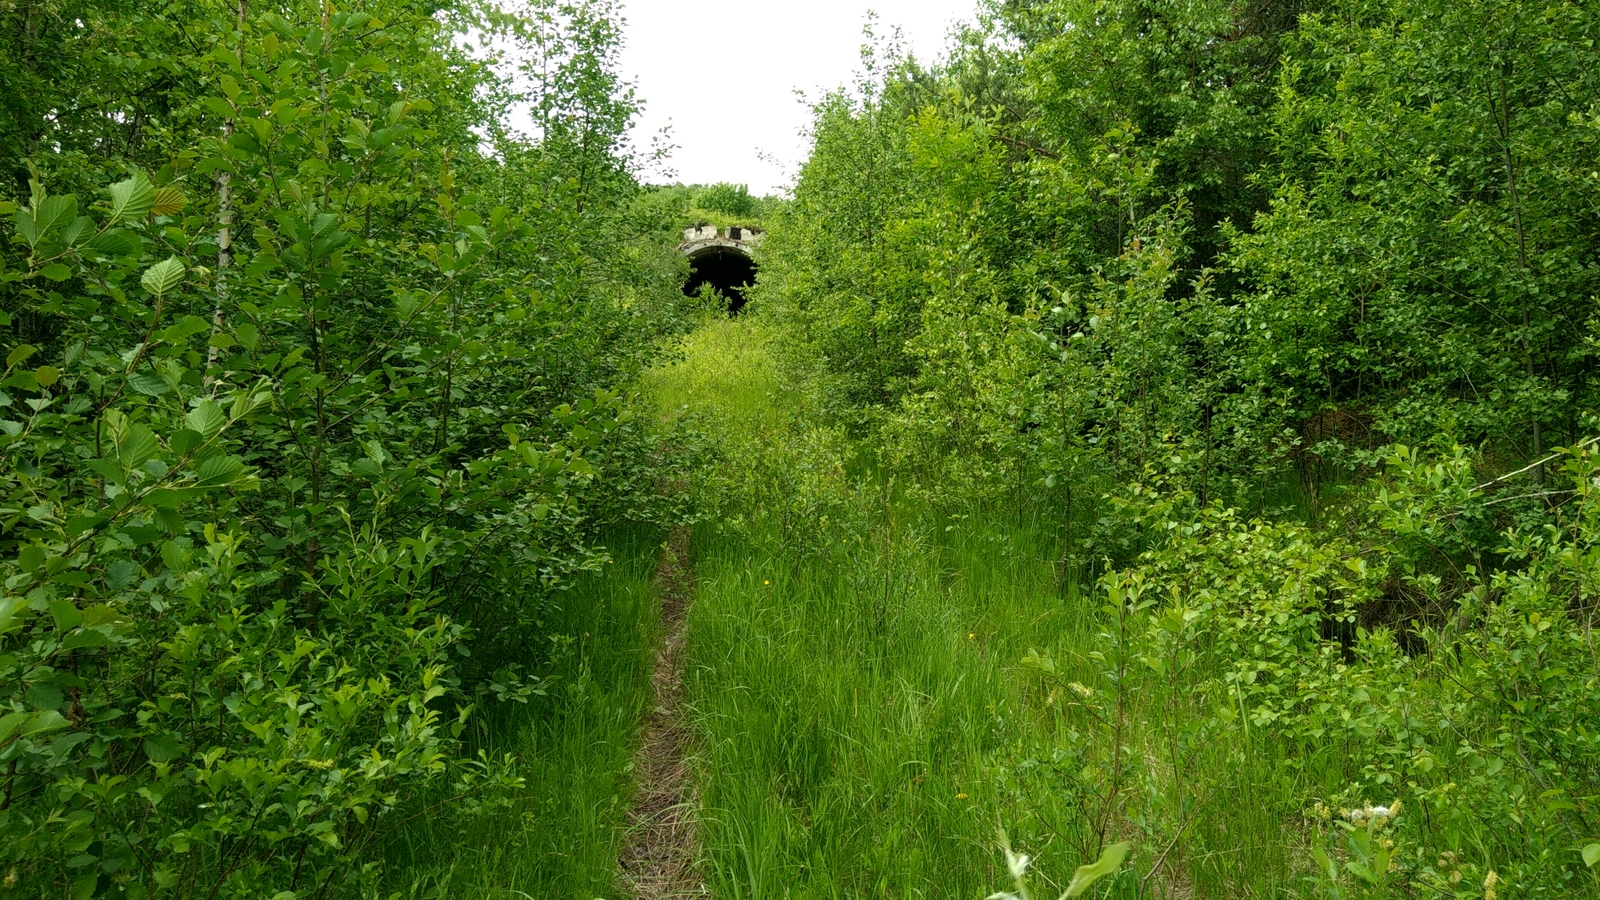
(659, 851)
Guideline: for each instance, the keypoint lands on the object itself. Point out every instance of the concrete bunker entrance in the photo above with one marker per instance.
(728, 269)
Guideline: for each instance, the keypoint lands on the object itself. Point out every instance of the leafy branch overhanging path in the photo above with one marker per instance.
(657, 860)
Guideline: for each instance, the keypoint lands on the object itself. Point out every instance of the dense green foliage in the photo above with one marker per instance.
(311, 412)
(1165, 429)
(721, 204)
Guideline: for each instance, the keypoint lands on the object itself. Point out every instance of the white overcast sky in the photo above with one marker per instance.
(722, 74)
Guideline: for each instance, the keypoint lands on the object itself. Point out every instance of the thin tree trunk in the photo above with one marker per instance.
(224, 228)
(1522, 265)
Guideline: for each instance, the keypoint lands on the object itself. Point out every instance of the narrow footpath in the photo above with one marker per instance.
(658, 855)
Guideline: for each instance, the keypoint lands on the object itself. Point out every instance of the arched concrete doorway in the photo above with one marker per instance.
(722, 259)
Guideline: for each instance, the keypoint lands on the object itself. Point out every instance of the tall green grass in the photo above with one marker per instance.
(867, 719)
(556, 835)
(727, 374)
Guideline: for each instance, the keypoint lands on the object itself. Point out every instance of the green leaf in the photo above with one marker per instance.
(162, 748)
(11, 724)
(54, 212)
(43, 695)
(149, 384)
(47, 375)
(207, 418)
(248, 335)
(85, 886)
(82, 227)
(19, 354)
(1591, 855)
(49, 720)
(161, 278)
(1108, 863)
(220, 470)
(9, 607)
(117, 242)
(132, 198)
(184, 328)
(168, 201)
(57, 271)
(86, 639)
(27, 228)
(138, 445)
(30, 557)
(66, 614)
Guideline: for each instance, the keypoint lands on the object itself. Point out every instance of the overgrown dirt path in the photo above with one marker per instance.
(662, 842)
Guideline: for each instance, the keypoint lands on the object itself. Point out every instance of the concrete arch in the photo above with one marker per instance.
(722, 258)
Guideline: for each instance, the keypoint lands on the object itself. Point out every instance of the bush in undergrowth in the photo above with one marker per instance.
(1482, 723)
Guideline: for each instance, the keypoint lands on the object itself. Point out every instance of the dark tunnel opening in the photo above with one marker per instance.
(727, 270)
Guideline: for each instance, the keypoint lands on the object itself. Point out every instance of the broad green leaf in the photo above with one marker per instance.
(81, 229)
(55, 212)
(85, 639)
(1108, 863)
(47, 375)
(8, 612)
(220, 470)
(49, 720)
(57, 271)
(219, 106)
(162, 748)
(7, 207)
(79, 524)
(85, 885)
(1591, 855)
(207, 418)
(149, 384)
(136, 446)
(19, 354)
(168, 201)
(161, 278)
(132, 198)
(27, 228)
(186, 327)
(66, 614)
(12, 723)
(30, 557)
(43, 695)
(116, 242)
(248, 335)
(169, 498)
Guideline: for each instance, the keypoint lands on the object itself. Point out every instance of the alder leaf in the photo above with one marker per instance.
(162, 277)
(132, 198)
(168, 201)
